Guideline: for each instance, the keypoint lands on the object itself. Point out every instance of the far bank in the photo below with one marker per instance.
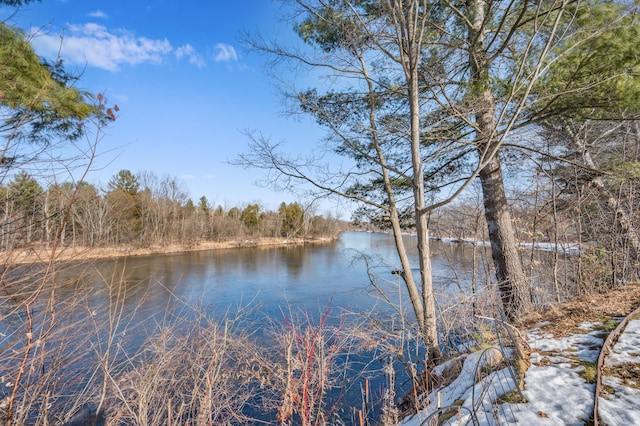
(45, 254)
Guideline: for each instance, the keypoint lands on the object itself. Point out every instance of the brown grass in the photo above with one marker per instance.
(43, 254)
(629, 373)
(564, 318)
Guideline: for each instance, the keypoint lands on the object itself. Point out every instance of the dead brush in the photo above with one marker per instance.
(201, 375)
(40, 344)
(306, 369)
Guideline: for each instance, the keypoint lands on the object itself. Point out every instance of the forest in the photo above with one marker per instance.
(511, 125)
(139, 211)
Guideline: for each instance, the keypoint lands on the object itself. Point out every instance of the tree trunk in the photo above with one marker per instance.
(423, 300)
(410, 62)
(506, 259)
(47, 219)
(430, 327)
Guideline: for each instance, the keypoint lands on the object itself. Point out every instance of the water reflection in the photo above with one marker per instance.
(309, 277)
(124, 302)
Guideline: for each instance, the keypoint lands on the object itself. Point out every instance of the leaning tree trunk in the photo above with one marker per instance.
(430, 336)
(506, 260)
(430, 329)
(410, 21)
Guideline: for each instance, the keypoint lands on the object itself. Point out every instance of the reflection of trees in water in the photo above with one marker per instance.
(460, 254)
(294, 258)
(262, 260)
(142, 293)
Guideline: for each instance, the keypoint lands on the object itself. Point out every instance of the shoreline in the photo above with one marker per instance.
(45, 255)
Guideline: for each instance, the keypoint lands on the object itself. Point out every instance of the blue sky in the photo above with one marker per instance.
(185, 84)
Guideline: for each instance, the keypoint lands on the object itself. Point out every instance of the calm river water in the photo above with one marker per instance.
(309, 277)
(272, 280)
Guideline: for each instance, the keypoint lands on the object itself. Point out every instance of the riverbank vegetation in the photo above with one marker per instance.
(505, 123)
(141, 214)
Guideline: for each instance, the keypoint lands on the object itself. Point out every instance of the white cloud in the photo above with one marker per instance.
(225, 53)
(94, 45)
(189, 52)
(98, 14)
(97, 46)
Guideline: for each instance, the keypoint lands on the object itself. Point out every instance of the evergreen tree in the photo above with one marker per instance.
(292, 219)
(251, 216)
(41, 104)
(126, 182)
(126, 207)
(25, 192)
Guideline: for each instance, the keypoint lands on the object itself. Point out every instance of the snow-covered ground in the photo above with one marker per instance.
(619, 403)
(555, 385)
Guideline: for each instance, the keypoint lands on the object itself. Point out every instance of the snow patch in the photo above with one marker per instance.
(555, 392)
(556, 395)
(627, 348)
(621, 407)
(584, 346)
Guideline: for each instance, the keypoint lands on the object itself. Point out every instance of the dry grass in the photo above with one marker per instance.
(565, 317)
(201, 375)
(63, 364)
(44, 254)
(191, 369)
(629, 373)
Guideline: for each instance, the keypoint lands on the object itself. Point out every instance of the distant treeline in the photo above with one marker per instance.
(139, 210)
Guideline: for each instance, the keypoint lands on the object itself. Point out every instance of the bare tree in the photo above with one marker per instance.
(427, 94)
(599, 166)
(350, 54)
